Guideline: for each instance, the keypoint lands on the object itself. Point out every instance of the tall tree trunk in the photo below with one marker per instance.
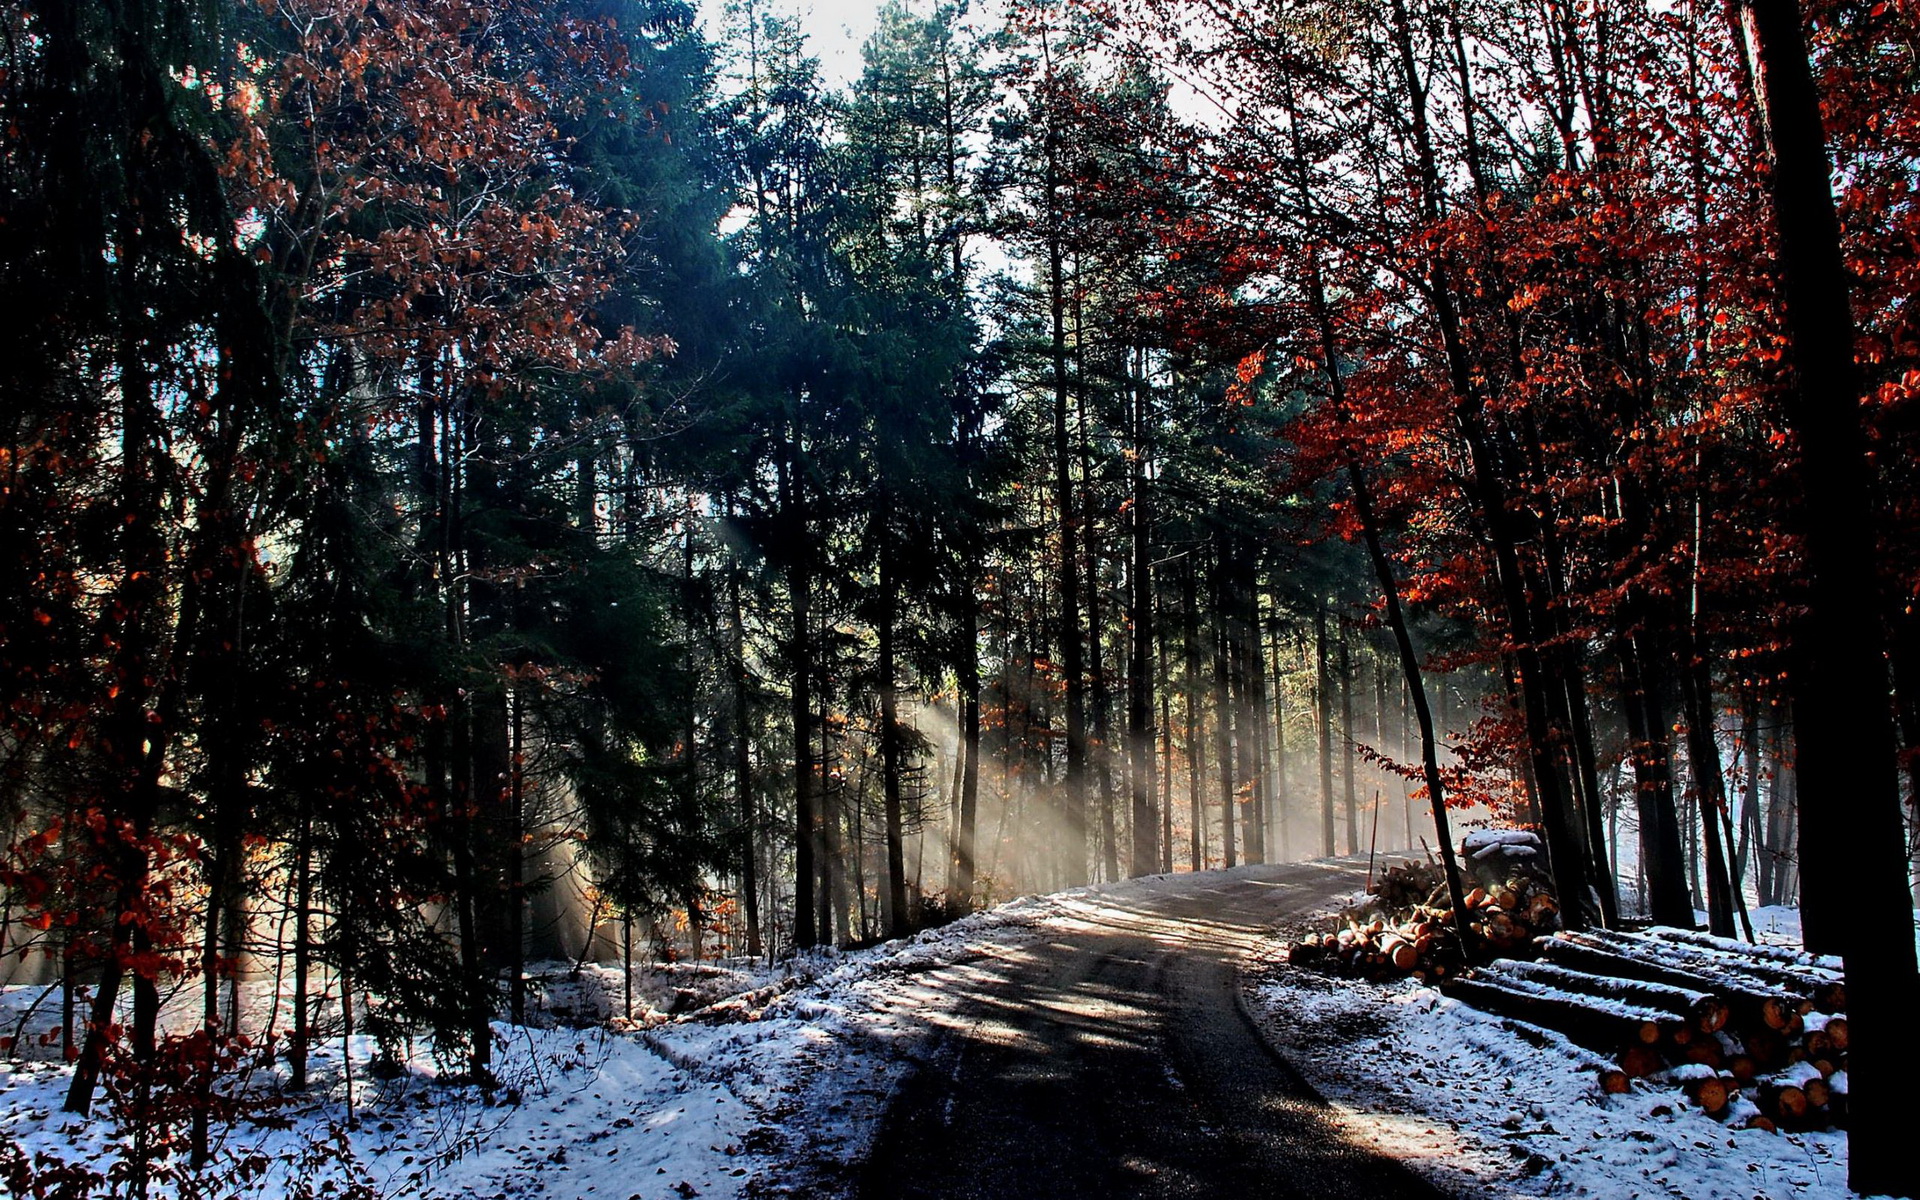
(1417, 692)
(742, 747)
(1223, 716)
(1380, 725)
(890, 751)
(807, 931)
(691, 818)
(1349, 760)
(828, 861)
(1586, 775)
(1406, 742)
(1852, 857)
(1709, 786)
(1744, 851)
(300, 1041)
(136, 734)
(1073, 793)
(1101, 692)
(1190, 634)
(466, 886)
(1781, 821)
(1397, 622)
(1662, 858)
(1145, 858)
(1282, 831)
(962, 886)
(1489, 492)
(1253, 684)
(1323, 705)
(516, 849)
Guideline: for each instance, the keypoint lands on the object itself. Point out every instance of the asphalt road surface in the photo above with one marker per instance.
(1118, 1061)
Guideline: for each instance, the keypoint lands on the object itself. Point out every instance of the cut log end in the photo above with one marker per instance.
(1712, 1094)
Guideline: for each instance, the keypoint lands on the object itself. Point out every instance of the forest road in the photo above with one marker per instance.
(1118, 1061)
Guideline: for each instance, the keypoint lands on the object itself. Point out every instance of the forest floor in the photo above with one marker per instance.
(779, 1081)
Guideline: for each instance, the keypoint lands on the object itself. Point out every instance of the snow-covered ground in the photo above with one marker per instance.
(773, 1091)
(777, 1088)
(1464, 1098)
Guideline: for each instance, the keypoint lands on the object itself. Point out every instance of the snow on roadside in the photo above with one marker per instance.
(1486, 1107)
(774, 1091)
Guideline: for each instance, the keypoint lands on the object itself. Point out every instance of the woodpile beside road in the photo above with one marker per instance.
(1753, 1035)
(1406, 927)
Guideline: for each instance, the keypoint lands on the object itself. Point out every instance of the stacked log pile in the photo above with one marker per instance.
(1755, 1035)
(1423, 947)
(1406, 927)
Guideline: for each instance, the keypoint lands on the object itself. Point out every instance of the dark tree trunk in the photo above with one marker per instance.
(961, 887)
(1490, 495)
(1190, 634)
(747, 846)
(890, 752)
(1073, 791)
(1403, 640)
(1852, 855)
(1323, 705)
(1661, 856)
(807, 931)
(1417, 692)
(1709, 787)
(691, 818)
(1223, 717)
(1140, 621)
(1282, 829)
(1380, 726)
(1253, 684)
(467, 893)
(1349, 760)
(1102, 747)
(301, 1039)
(1586, 774)
(516, 852)
(827, 900)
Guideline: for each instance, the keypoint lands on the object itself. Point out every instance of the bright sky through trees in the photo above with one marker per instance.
(835, 30)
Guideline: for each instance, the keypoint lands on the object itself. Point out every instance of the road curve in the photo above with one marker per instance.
(1117, 1061)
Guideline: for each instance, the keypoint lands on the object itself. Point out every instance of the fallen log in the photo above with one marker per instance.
(1579, 952)
(1606, 1026)
(1785, 955)
(1699, 1008)
(1611, 1079)
(1800, 976)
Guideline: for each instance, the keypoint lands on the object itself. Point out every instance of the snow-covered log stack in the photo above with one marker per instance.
(1755, 1034)
(1511, 900)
